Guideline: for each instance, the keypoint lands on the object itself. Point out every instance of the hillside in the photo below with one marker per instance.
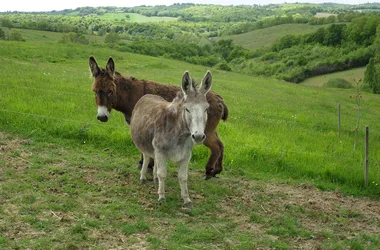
(349, 75)
(288, 42)
(69, 181)
(267, 37)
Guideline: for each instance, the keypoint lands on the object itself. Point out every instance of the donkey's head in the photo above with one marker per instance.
(196, 105)
(104, 87)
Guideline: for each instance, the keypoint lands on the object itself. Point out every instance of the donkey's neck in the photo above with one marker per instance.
(129, 91)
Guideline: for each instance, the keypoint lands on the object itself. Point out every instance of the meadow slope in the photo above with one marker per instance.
(266, 37)
(288, 182)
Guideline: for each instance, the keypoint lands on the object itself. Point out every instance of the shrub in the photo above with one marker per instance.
(2, 34)
(112, 37)
(16, 36)
(72, 37)
(338, 83)
(223, 66)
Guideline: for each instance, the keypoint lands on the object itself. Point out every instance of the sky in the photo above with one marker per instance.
(46, 5)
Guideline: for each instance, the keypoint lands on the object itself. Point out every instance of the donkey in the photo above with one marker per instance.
(164, 130)
(115, 91)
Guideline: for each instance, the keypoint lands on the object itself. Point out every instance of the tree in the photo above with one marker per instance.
(73, 37)
(15, 35)
(286, 41)
(112, 37)
(2, 34)
(334, 34)
(376, 82)
(371, 77)
(377, 45)
(5, 22)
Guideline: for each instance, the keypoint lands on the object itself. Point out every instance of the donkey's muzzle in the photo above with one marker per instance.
(103, 118)
(198, 138)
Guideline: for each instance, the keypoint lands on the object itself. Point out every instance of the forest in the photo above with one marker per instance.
(345, 39)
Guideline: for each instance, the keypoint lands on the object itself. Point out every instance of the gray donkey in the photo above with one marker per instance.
(164, 131)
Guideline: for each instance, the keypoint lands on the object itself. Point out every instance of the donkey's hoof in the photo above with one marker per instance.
(187, 206)
(208, 176)
(161, 200)
(216, 171)
(143, 181)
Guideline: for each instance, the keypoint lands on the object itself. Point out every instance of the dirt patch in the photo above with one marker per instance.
(12, 153)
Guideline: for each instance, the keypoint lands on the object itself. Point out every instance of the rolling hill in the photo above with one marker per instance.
(266, 37)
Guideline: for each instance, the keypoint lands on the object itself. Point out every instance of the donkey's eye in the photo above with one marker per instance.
(187, 110)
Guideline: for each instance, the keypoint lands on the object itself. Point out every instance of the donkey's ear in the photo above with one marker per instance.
(187, 83)
(110, 66)
(94, 67)
(206, 83)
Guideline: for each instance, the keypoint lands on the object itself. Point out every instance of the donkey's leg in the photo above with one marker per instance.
(141, 161)
(144, 168)
(219, 164)
(183, 169)
(211, 142)
(155, 178)
(150, 166)
(161, 174)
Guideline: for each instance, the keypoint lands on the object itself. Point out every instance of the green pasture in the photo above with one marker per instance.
(134, 17)
(351, 76)
(266, 37)
(48, 36)
(68, 181)
(292, 122)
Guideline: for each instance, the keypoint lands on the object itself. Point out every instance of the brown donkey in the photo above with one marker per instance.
(115, 91)
(167, 131)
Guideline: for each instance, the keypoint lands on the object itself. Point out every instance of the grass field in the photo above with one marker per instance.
(134, 17)
(266, 37)
(48, 36)
(348, 75)
(323, 15)
(69, 181)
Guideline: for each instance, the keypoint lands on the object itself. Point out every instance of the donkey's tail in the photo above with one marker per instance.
(225, 111)
(224, 107)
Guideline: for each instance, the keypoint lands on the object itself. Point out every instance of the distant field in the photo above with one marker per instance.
(134, 17)
(266, 37)
(324, 14)
(37, 35)
(349, 75)
(48, 36)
